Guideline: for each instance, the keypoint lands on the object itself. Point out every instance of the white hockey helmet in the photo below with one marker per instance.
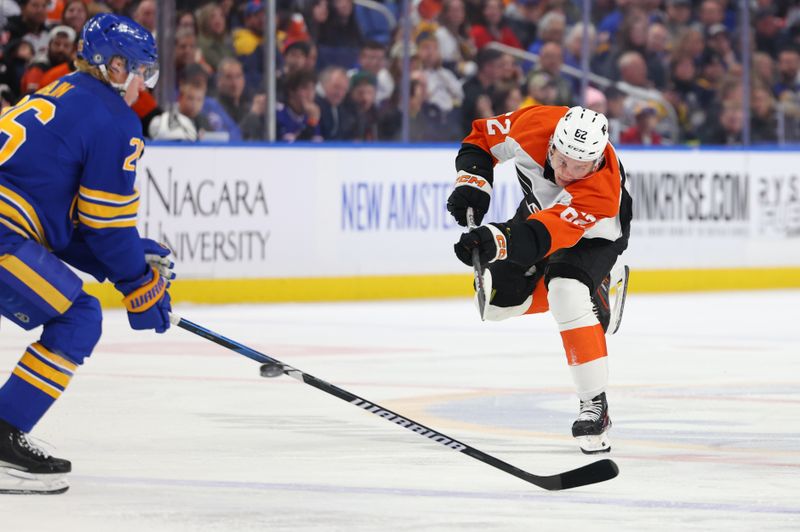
(581, 134)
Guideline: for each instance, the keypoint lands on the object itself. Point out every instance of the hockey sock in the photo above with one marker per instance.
(539, 299)
(590, 378)
(39, 378)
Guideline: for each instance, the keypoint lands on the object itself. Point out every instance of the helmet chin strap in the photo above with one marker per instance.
(122, 88)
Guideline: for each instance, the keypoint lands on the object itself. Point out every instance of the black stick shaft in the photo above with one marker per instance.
(476, 266)
(589, 474)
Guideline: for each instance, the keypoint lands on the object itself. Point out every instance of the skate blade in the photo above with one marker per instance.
(594, 444)
(16, 482)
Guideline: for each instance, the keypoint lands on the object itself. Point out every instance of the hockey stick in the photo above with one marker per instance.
(589, 474)
(480, 289)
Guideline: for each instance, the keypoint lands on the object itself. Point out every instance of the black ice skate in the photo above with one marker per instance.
(609, 298)
(592, 426)
(26, 468)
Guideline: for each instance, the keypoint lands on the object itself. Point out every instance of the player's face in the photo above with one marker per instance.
(118, 73)
(568, 170)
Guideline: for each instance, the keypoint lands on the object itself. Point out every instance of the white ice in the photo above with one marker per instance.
(173, 433)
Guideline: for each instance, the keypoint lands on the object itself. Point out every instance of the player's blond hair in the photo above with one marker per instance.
(82, 65)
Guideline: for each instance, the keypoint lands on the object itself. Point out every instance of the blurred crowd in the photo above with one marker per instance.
(664, 71)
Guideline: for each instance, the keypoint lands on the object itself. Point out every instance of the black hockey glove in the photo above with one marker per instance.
(490, 240)
(494, 241)
(470, 191)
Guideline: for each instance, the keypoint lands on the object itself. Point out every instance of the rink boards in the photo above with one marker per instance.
(333, 222)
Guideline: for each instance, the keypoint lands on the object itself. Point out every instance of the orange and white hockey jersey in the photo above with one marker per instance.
(598, 206)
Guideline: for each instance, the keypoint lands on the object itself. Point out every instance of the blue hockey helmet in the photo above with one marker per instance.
(106, 35)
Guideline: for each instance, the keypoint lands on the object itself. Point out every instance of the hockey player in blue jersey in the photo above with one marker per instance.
(68, 157)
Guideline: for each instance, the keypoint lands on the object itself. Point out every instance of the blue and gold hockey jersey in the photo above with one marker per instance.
(68, 157)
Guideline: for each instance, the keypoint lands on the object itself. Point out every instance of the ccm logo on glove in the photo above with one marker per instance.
(472, 180)
(500, 242)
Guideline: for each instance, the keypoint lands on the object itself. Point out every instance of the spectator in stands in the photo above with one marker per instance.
(337, 121)
(615, 105)
(510, 73)
(596, 101)
(726, 130)
(656, 54)
(573, 47)
(764, 70)
(247, 43)
(493, 27)
(75, 15)
(254, 123)
(455, 43)
(223, 127)
(60, 50)
(373, 24)
(372, 59)
(679, 14)
(551, 57)
(339, 36)
(711, 75)
(295, 58)
(213, 39)
(186, 53)
(298, 117)
(610, 24)
(523, 18)
(643, 131)
(541, 90)
(250, 36)
(767, 28)
(29, 25)
(788, 84)
(507, 99)
(709, 13)
(684, 95)
(719, 40)
(441, 87)
(425, 120)
(186, 20)
(361, 98)
(478, 88)
(191, 98)
(689, 41)
(121, 7)
(316, 13)
(763, 119)
(396, 63)
(8, 9)
(231, 89)
(631, 37)
(145, 14)
(633, 69)
(551, 29)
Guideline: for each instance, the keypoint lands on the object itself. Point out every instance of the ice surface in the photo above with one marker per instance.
(171, 432)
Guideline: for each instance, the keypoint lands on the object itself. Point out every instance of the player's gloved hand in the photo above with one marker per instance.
(147, 301)
(470, 191)
(155, 254)
(490, 240)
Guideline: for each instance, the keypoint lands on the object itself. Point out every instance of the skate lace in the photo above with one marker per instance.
(30, 444)
(590, 411)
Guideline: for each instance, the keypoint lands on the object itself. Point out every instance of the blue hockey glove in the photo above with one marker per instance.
(155, 254)
(147, 301)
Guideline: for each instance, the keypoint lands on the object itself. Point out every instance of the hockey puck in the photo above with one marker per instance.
(271, 370)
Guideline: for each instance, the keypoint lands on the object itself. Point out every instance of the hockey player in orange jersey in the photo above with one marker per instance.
(558, 251)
